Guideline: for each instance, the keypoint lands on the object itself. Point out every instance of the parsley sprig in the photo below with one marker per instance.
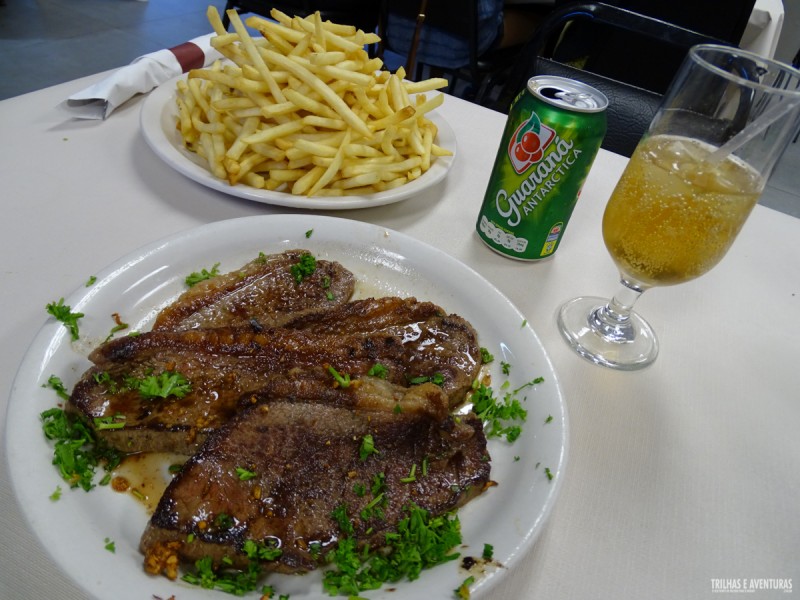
(436, 378)
(340, 379)
(167, 383)
(305, 267)
(62, 312)
(77, 452)
(497, 413)
(194, 278)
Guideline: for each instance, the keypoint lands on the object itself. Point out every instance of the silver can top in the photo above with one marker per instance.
(567, 93)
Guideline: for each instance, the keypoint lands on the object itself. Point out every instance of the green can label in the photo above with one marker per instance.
(552, 136)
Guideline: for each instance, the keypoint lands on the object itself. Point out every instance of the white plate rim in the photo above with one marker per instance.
(158, 128)
(27, 454)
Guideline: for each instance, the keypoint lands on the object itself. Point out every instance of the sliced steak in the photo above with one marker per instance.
(366, 393)
(223, 364)
(264, 291)
(305, 462)
(367, 315)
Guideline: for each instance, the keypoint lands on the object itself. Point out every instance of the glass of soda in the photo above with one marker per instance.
(686, 191)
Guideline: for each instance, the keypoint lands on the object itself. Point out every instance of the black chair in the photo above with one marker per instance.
(631, 106)
(363, 14)
(458, 18)
(723, 19)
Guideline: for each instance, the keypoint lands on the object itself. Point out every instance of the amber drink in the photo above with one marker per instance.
(673, 216)
(686, 192)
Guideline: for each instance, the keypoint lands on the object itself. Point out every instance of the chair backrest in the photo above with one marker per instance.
(631, 106)
(723, 19)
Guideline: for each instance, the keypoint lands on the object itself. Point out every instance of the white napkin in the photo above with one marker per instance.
(142, 75)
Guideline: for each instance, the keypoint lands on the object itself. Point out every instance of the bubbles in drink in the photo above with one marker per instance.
(673, 216)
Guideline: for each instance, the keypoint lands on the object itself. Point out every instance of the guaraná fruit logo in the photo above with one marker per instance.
(528, 143)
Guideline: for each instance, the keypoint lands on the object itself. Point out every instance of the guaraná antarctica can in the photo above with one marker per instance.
(554, 130)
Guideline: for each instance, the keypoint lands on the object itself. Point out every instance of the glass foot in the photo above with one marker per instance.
(624, 342)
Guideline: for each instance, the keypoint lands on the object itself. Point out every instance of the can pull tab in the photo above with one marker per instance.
(577, 99)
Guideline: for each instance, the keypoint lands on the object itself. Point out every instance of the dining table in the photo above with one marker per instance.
(680, 480)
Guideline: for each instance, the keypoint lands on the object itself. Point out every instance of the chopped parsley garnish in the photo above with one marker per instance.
(486, 356)
(304, 268)
(462, 591)
(234, 582)
(267, 552)
(436, 378)
(374, 508)
(56, 495)
(77, 452)
(62, 312)
(343, 522)
(91, 281)
(244, 474)
(342, 380)
(548, 419)
(531, 383)
(118, 327)
(378, 484)
(109, 422)
(359, 489)
(223, 521)
(378, 370)
(109, 545)
(488, 551)
(419, 542)
(549, 473)
(506, 367)
(412, 475)
(497, 413)
(168, 383)
(56, 383)
(326, 284)
(309, 233)
(104, 378)
(367, 447)
(194, 278)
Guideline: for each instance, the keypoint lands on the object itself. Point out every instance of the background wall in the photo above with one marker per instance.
(789, 42)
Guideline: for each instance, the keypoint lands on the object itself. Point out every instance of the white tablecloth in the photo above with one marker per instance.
(682, 474)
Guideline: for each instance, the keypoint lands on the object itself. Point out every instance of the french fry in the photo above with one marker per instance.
(303, 109)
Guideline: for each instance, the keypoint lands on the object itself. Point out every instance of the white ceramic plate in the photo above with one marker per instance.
(73, 529)
(158, 126)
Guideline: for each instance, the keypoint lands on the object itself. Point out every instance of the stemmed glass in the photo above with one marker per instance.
(686, 192)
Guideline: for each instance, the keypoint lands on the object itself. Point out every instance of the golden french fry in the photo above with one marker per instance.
(333, 168)
(333, 100)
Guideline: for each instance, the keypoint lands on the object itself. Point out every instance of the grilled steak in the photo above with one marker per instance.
(306, 462)
(263, 291)
(369, 393)
(368, 315)
(223, 364)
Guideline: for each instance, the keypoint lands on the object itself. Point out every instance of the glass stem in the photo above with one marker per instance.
(613, 321)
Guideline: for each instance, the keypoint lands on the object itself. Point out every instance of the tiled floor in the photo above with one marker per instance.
(46, 42)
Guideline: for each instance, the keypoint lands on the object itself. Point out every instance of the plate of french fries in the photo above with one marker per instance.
(298, 114)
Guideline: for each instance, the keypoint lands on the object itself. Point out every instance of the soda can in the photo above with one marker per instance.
(554, 129)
